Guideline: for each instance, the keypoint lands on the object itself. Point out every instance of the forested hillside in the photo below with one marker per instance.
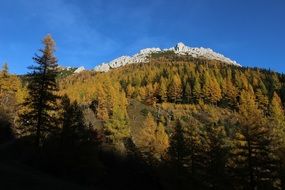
(176, 122)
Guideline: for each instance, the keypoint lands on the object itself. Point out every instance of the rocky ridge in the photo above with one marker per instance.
(179, 49)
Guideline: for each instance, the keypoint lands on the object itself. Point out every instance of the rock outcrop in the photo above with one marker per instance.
(79, 69)
(179, 49)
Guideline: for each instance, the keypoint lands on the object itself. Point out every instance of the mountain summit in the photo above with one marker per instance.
(180, 49)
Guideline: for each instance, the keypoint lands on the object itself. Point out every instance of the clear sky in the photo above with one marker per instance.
(88, 32)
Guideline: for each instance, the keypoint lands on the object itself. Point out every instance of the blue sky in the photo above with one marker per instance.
(88, 32)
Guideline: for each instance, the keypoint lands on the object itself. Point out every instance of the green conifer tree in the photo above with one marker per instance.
(39, 120)
(179, 147)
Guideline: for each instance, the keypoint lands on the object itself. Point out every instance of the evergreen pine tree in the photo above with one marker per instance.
(217, 155)
(74, 131)
(179, 147)
(41, 102)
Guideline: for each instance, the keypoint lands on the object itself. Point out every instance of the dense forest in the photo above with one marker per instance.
(175, 122)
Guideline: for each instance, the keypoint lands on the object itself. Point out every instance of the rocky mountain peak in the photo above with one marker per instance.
(180, 49)
(79, 69)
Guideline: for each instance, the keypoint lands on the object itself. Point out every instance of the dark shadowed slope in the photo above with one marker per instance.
(17, 176)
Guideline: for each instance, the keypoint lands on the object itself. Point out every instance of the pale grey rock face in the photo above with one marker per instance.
(149, 50)
(79, 70)
(180, 49)
(121, 61)
(62, 68)
(68, 68)
(104, 67)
